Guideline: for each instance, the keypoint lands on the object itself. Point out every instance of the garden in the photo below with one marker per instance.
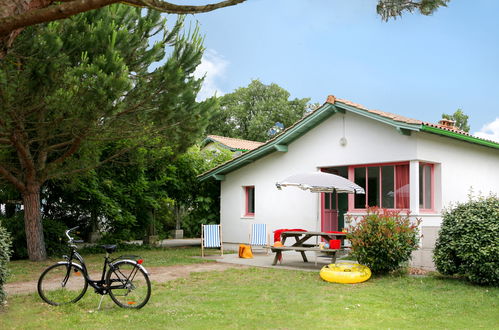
(264, 298)
(189, 292)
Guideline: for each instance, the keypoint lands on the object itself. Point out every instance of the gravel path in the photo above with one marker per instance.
(156, 274)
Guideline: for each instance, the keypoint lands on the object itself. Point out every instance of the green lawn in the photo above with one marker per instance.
(256, 298)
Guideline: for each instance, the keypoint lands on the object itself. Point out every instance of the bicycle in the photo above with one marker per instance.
(123, 278)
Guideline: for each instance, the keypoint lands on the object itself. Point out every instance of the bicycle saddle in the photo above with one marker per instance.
(110, 248)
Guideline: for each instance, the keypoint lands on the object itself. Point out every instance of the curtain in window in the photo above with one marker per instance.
(402, 186)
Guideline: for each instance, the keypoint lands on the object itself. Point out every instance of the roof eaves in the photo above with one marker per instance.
(208, 140)
(313, 119)
(459, 136)
(285, 137)
(366, 113)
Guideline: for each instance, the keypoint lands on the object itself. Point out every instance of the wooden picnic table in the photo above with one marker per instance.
(301, 246)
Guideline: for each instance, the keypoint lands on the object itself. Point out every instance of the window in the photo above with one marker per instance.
(386, 186)
(425, 186)
(250, 200)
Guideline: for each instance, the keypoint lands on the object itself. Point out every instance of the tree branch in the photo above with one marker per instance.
(171, 8)
(24, 154)
(74, 148)
(7, 175)
(60, 10)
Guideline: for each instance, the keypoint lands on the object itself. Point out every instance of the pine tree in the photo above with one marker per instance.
(70, 89)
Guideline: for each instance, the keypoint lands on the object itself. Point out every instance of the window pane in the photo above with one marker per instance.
(402, 187)
(251, 199)
(373, 186)
(360, 179)
(387, 187)
(427, 193)
(421, 186)
(327, 201)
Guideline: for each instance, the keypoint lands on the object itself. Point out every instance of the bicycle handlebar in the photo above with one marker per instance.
(71, 239)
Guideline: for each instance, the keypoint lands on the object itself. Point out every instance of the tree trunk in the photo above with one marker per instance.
(33, 224)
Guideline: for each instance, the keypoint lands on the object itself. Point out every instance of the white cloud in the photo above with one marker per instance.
(489, 131)
(212, 65)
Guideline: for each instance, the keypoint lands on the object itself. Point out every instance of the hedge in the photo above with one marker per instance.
(468, 241)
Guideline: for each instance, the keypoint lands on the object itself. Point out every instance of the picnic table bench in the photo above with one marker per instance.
(300, 246)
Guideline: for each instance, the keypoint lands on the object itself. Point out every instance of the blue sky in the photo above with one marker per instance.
(417, 66)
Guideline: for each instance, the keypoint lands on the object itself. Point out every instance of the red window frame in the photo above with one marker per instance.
(423, 207)
(351, 177)
(249, 192)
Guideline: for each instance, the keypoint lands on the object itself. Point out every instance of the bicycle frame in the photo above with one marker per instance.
(123, 278)
(100, 286)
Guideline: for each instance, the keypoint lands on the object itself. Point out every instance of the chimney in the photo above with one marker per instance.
(447, 123)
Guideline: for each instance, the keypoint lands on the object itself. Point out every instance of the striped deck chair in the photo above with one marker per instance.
(259, 236)
(211, 237)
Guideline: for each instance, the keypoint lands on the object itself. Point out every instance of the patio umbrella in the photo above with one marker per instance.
(321, 182)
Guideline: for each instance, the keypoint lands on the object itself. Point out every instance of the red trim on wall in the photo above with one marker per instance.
(351, 177)
(380, 164)
(247, 190)
(432, 189)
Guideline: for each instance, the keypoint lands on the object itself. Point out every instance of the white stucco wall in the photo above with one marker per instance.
(459, 165)
(463, 166)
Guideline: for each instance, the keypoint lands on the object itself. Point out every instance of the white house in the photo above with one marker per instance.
(402, 163)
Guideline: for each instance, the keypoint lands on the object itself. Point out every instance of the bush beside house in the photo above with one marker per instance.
(468, 242)
(383, 239)
(5, 245)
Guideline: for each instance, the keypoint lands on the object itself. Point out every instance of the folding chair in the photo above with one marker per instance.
(211, 237)
(259, 236)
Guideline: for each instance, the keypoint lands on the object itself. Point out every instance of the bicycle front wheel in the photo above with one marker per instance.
(129, 285)
(62, 284)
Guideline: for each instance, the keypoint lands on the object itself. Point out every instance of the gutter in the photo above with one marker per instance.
(466, 138)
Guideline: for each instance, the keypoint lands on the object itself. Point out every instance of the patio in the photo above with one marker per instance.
(291, 260)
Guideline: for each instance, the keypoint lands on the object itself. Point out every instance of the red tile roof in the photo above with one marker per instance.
(331, 99)
(236, 143)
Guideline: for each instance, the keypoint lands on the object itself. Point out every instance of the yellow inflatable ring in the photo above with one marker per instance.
(345, 273)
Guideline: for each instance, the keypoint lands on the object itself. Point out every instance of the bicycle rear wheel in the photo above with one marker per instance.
(61, 284)
(129, 285)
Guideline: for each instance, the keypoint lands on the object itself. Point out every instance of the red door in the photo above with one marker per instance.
(329, 221)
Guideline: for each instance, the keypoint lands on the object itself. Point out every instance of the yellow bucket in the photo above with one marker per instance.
(347, 273)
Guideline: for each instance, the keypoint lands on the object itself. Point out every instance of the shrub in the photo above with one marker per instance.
(383, 239)
(5, 251)
(53, 232)
(468, 242)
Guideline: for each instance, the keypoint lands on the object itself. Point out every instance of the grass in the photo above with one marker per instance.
(262, 298)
